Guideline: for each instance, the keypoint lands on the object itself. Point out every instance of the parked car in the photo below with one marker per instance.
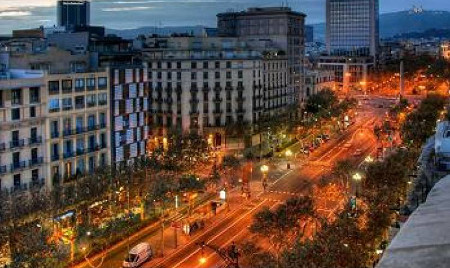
(138, 255)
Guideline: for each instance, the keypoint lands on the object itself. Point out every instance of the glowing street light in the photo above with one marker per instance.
(202, 260)
(288, 156)
(264, 170)
(357, 177)
(368, 159)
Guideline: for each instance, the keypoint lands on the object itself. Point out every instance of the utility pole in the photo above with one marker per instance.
(402, 79)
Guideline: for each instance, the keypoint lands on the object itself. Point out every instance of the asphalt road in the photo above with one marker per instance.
(233, 225)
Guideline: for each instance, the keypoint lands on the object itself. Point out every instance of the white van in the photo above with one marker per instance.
(138, 255)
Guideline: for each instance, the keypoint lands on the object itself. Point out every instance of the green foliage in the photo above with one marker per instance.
(420, 124)
(254, 256)
(323, 100)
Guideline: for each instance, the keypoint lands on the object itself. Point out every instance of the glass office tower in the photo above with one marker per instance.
(352, 27)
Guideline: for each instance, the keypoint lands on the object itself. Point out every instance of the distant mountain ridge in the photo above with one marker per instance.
(402, 22)
(391, 24)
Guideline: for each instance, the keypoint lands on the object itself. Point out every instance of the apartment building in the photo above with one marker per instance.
(77, 124)
(202, 85)
(22, 113)
(130, 116)
(54, 127)
(445, 50)
(317, 80)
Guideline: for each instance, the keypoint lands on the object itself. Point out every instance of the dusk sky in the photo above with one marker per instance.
(127, 14)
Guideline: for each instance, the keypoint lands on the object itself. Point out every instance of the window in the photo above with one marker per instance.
(205, 75)
(53, 105)
(205, 65)
(16, 97)
(228, 64)
(15, 138)
(228, 75)
(17, 181)
(91, 122)
(54, 128)
(169, 65)
(79, 124)
(33, 134)
(15, 114)
(79, 102)
(32, 112)
(169, 76)
(102, 119)
(34, 155)
(79, 84)
(91, 100)
(217, 75)
(240, 74)
(102, 99)
(53, 87)
(1, 100)
(67, 86)
(55, 151)
(103, 140)
(193, 75)
(178, 75)
(178, 65)
(217, 64)
(34, 95)
(193, 65)
(102, 82)
(67, 104)
(90, 83)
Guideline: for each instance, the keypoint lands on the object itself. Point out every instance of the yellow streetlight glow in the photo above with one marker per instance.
(288, 153)
(202, 260)
(264, 168)
(357, 177)
(368, 159)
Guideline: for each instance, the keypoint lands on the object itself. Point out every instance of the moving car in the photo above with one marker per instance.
(138, 255)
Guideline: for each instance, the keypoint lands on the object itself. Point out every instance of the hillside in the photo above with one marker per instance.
(398, 23)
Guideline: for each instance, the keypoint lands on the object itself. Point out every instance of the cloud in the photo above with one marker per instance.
(6, 5)
(15, 13)
(120, 9)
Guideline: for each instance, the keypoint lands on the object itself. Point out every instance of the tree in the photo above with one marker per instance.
(253, 256)
(323, 100)
(281, 226)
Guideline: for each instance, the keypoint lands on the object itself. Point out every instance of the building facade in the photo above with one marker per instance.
(445, 51)
(317, 80)
(352, 27)
(22, 149)
(202, 85)
(73, 13)
(279, 25)
(77, 124)
(130, 116)
(54, 127)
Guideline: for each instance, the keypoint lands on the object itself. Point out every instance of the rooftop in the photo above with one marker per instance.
(424, 240)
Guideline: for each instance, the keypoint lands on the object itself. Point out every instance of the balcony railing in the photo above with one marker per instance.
(18, 165)
(93, 148)
(68, 132)
(36, 161)
(36, 183)
(54, 134)
(68, 154)
(55, 157)
(17, 143)
(35, 140)
(80, 151)
(3, 169)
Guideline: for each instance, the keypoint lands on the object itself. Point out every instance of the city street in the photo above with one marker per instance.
(231, 225)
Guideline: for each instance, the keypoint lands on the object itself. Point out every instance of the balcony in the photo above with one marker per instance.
(91, 128)
(217, 112)
(194, 100)
(227, 88)
(54, 110)
(36, 161)
(54, 134)
(19, 188)
(240, 99)
(3, 169)
(194, 113)
(79, 89)
(17, 144)
(194, 89)
(69, 154)
(93, 148)
(35, 140)
(206, 89)
(68, 132)
(18, 165)
(66, 90)
(55, 157)
(80, 151)
(79, 105)
(240, 111)
(217, 99)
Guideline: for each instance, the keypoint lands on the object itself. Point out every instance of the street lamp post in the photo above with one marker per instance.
(264, 170)
(288, 156)
(357, 178)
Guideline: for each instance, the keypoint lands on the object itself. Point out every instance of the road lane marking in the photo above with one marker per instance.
(219, 234)
(233, 238)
